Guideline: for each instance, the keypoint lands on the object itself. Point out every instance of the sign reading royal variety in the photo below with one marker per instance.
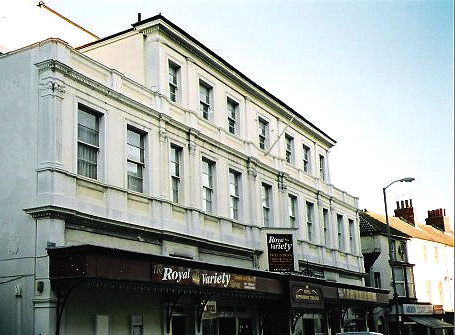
(170, 274)
(281, 253)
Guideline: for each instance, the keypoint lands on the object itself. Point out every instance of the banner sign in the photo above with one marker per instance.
(169, 274)
(438, 309)
(417, 309)
(350, 294)
(281, 253)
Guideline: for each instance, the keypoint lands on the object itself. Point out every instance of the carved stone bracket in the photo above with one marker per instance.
(192, 136)
(52, 87)
(282, 184)
(251, 167)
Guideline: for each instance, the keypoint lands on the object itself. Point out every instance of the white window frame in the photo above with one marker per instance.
(92, 147)
(326, 223)
(340, 231)
(309, 219)
(174, 71)
(400, 283)
(352, 241)
(263, 133)
(138, 162)
(289, 152)
(206, 105)
(322, 168)
(175, 167)
(208, 187)
(266, 196)
(292, 210)
(306, 158)
(232, 111)
(234, 194)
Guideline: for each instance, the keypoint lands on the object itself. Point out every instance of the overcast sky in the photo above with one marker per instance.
(377, 76)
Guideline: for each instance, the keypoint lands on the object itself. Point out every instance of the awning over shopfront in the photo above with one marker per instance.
(94, 266)
(430, 322)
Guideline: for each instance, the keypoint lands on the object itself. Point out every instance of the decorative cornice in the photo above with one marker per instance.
(86, 222)
(198, 52)
(67, 71)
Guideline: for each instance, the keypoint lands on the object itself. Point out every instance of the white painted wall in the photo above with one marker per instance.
(433, 270)
(39, 145)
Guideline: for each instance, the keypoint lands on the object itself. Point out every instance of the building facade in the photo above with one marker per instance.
(422, 259)
(152, 187)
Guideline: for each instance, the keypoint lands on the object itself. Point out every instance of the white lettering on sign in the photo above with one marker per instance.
(217, 278)
(279, 243)
(171, 274)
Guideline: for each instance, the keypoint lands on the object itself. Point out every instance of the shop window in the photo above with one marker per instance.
(137, 325)
(245, 326)
(101, 324)
(178, 325)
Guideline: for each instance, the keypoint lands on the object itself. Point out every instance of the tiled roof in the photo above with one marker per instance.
(420, 231)
(371, 225)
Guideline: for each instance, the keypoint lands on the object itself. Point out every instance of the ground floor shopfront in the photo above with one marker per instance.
(105, 291)
(416, 318)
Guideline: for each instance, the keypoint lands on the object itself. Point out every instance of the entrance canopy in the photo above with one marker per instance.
(430, 322)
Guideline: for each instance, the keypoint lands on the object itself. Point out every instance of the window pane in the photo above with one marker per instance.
(87, 120)
(401, 289)
(87, 160)
(399, 274)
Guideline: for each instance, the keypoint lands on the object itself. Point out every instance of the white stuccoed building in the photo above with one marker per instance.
(142, 177)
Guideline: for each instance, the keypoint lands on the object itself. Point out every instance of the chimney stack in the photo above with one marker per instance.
(405, 212)
(437, 218)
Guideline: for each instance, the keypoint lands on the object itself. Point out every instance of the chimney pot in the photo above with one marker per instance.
(444, 212)
(407, 204)
(138, 17)
(402, 204)
(410, 202)
(398, 205)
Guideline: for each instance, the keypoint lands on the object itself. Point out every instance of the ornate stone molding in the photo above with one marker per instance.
(282, 181)
(56, 66)
(251, 165)
(192, 138)
(52, 87)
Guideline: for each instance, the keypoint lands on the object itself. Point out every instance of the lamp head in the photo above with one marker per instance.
(407, 179)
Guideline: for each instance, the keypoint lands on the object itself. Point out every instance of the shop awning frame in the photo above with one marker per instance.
(431, 322)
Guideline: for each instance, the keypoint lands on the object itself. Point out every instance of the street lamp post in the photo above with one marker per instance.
(395, 294)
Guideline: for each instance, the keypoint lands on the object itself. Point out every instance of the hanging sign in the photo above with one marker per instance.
(281, 253)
